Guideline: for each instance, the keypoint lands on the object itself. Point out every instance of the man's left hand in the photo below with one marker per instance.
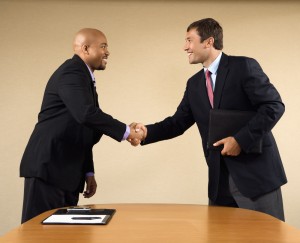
(91, 187)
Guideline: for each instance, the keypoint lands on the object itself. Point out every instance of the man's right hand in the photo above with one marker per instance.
(138, 133)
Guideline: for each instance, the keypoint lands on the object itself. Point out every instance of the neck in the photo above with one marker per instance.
(213, 55)
(83, 58)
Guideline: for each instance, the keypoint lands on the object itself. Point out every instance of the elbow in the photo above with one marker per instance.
(280, 110)
(276, 112)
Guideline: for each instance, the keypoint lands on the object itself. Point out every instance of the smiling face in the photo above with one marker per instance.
(198, 52)
(91, 45)
(97, 53)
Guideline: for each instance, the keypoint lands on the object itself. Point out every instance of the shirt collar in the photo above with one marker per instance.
(215, 64)
(92, 75)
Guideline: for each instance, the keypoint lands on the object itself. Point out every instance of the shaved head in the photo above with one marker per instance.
(91, 46)
(85, 36)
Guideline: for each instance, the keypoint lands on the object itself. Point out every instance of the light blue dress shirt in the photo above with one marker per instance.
(213, 68)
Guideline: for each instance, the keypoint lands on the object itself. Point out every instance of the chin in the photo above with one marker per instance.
(194, 62)
(101, 68)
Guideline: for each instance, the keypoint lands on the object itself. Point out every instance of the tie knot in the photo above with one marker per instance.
(207, 73)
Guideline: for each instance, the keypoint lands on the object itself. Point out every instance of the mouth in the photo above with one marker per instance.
(105, 60)
(189, 54)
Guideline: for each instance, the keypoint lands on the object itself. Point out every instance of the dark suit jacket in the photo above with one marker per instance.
(241, 85)
(69, 124)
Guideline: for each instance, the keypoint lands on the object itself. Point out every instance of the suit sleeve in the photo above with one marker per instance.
(266, 98)
(77, 95)
(172, 126)
(89, 165)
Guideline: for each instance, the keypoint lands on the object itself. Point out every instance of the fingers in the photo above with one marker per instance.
(231, 147)
(133, 125)
(140, 126)
(221, 142)
(135, 142)
(138, 133)
(89, 193)
(91, 187)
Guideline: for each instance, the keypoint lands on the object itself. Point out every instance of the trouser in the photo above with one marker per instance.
(39, 196)
(270, 203)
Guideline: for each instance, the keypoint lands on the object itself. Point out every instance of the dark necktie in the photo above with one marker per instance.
(209, 87)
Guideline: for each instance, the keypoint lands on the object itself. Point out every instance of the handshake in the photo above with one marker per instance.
(138, 133)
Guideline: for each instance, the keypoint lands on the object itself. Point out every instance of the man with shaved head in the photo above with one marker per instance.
(91, 46)
(58, 159)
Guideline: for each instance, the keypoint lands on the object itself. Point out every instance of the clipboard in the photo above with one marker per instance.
(80, 217)
(225, 123)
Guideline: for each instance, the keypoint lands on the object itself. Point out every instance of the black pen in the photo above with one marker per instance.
(85, 218)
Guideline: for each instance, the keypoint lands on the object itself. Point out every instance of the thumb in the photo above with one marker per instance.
(138, 127)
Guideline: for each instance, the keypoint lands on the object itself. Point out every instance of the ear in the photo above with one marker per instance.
(85, 49)
(210, 42)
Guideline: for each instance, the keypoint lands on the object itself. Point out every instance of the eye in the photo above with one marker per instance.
(103, 46)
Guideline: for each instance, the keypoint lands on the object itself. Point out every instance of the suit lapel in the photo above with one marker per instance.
(220, 81)
(90, 80)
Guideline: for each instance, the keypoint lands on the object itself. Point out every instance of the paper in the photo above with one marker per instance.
(75, 219)
(80, 216)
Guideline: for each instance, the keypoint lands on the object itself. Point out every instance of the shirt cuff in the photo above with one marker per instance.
(89, 174)
(127, 132)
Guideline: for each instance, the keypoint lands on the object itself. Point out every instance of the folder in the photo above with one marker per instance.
(225, 123)
(80, 217)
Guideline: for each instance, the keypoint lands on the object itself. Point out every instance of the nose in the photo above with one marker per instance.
(185, 47)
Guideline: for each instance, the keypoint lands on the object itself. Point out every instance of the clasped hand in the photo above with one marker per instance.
(138, 133)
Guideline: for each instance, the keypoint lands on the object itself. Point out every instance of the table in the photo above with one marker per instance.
(167, 223)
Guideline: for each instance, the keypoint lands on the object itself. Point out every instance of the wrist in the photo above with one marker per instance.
(89, 174)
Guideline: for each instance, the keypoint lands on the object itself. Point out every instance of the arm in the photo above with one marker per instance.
(266, 99)
(76, 93)
(172, 126)
(263, 95)
(91, 185)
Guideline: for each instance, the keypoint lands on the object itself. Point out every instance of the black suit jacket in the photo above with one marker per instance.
(241, 85)
(70, 122)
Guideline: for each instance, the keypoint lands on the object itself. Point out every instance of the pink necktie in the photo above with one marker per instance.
(209, 88)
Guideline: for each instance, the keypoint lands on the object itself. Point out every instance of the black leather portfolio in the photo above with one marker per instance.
(84, 216)
(225, 123)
